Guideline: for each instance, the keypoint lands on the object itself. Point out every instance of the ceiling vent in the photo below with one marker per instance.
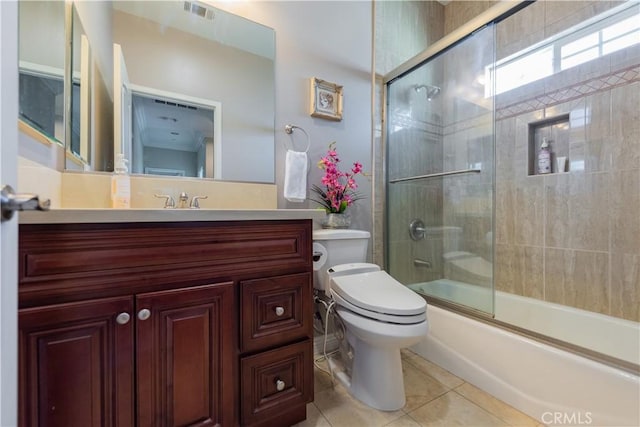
(174, 104)
(199, 9)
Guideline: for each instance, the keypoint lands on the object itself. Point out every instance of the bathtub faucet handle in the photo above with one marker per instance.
(416, 229)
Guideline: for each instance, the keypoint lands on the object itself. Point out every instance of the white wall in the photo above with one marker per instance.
(332, 41)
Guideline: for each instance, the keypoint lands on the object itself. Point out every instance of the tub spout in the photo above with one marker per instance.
(421, 263)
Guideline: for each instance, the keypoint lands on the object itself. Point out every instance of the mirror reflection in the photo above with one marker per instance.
(79, 140)
(41, 67)
(170, 80)
(172, 137)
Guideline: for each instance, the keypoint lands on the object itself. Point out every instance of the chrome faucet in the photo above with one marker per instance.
(194, 202)
(183, 199)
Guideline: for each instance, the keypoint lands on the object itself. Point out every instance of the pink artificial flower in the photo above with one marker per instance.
(338, 192)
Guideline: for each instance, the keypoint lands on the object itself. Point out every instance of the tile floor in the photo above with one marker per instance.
(435, 397)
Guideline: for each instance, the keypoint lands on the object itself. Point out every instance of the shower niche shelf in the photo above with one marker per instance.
(557, 132)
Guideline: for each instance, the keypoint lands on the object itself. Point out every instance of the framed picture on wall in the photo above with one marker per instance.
(326, 100)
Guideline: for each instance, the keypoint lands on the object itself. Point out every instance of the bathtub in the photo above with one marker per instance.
(554, 386)
(608, 335)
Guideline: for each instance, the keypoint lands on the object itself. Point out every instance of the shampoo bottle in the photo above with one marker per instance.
(544, 157)
(120, 184)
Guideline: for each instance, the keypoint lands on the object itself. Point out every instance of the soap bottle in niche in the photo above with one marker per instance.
(120, 184)
(544, 157)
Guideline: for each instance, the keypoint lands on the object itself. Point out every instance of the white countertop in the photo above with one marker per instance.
(62, 216)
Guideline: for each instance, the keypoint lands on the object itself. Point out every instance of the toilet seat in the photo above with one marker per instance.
(380, 317)
(379, 296)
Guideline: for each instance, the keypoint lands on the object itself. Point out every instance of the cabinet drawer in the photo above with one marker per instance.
(114, 259)
(275, 381)
(275, 311)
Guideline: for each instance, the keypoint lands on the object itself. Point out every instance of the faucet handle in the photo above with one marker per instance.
(194, 202)
(169, 203)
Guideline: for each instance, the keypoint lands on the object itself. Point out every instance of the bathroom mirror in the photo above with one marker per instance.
(179, 57)
(202, 88)
(41, 67)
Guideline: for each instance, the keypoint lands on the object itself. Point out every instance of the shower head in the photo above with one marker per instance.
(430, 91)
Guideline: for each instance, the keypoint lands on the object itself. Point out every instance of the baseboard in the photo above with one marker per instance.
(318, 343)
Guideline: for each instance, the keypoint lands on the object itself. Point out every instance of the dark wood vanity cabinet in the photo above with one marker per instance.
(165, 324)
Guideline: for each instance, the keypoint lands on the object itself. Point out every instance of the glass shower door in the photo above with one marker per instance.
(440, 164)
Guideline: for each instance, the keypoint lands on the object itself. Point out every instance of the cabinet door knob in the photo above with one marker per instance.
(123, 318)
(280, 385)
(144, 314)
(279, 311)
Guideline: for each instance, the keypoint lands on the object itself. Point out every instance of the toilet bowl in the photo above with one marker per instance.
(376, 373)
(380, 316)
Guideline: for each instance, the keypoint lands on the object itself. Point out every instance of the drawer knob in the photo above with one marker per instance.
(280, 385)
(279, 311)
(123, 318)
(144, 314)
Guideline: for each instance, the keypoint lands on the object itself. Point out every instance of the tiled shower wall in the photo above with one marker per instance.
(571, 238)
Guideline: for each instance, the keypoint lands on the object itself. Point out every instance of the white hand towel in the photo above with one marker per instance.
(295, 176)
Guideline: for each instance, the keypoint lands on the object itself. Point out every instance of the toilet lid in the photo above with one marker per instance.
(377, 291)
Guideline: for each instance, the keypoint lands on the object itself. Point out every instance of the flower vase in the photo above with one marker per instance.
(336, 220)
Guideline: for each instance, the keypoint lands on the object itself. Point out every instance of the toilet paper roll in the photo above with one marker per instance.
(319, 254)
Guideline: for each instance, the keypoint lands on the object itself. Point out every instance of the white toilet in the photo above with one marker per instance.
(380, 315)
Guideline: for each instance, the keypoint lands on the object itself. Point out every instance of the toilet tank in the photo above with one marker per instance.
(338, 246)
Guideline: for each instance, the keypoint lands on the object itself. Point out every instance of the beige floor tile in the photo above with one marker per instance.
(446, 378)
(451, 410)
(314, 418)
(342, 410)
(506, 413)
(419, 387)
(405, 421)
(321, 379)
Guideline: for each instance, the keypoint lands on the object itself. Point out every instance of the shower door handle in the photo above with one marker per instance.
(435, 175)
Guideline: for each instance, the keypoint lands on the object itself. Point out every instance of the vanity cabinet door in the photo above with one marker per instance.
(76, 364)
(185, 356)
